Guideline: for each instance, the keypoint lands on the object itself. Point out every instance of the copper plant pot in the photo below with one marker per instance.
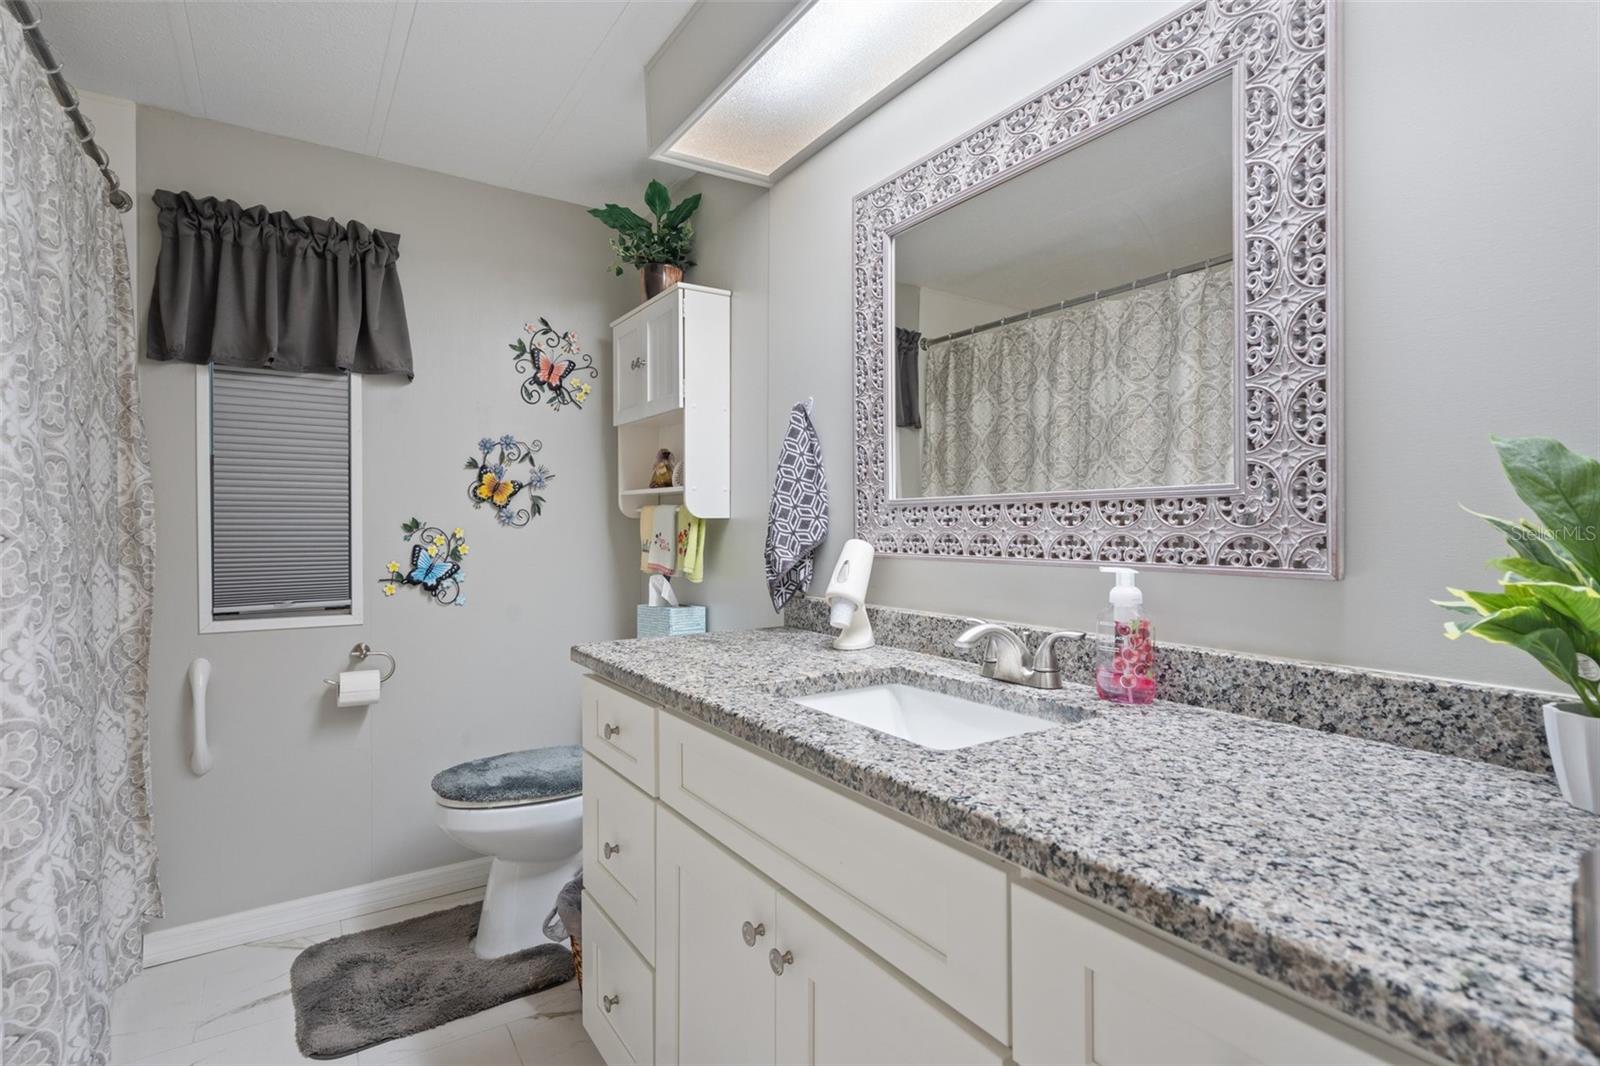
(659, 277)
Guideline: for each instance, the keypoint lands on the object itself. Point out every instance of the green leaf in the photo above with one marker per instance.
(1530, 629)
(1490, 602)
(657, 199)
(472, 464)
(1563, 490)
(1523, 538)
(1575, 602)
(680, 214)
(1529, 570)
(621, 219)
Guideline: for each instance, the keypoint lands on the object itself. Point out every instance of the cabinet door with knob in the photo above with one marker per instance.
(748, 975)
(838, 1004)
(648, 345)
(715, 922)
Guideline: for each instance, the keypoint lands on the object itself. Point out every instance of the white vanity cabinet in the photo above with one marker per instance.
(746, 912)
(670, 389)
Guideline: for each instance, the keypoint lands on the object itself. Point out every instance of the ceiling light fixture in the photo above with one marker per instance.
(824, 67)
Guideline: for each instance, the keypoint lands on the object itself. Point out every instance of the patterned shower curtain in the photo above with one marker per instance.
(77, 857)
(1128, 391)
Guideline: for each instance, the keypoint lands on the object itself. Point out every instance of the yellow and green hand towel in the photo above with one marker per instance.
(691, 546)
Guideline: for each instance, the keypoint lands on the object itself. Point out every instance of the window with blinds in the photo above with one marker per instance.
(281, 515)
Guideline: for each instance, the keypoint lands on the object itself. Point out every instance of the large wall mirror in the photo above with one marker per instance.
(1099, 329)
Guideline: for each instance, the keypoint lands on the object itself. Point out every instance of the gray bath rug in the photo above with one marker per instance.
(355, 991)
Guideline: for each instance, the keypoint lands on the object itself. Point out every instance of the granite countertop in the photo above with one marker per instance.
(1425, 894)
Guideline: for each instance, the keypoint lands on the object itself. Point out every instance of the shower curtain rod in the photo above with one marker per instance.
(1166, 275)
(27, 17)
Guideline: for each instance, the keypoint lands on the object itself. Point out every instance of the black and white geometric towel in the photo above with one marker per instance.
(797, 521)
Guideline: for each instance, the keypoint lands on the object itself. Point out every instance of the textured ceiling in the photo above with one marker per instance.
(544, 97)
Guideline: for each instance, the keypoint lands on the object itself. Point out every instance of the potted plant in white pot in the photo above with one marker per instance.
(1549, 599)
(660, 249)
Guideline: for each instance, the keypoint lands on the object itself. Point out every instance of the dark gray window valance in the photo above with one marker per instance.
(248, 287)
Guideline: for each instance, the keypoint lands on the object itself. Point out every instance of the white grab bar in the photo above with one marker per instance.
(200, 756)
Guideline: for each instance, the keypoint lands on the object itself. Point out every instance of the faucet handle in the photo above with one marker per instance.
(1044, 657)
(975, 632)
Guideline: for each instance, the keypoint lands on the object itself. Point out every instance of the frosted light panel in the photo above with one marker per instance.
(835, 57)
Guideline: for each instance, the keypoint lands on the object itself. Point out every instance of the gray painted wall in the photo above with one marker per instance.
(306, 797)
(1470, 237)
(731, 250)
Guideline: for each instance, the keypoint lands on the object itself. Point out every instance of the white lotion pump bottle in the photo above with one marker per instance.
(1125, 656)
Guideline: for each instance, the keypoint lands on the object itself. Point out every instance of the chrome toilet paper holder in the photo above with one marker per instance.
(360, 653)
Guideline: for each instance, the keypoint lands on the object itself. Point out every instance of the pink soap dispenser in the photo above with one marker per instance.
(1125, 656)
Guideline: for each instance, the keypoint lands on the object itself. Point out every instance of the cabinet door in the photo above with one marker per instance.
(714, 1000)
(666, 354)
(1084, 991)
(631, 355)
(839, 1005)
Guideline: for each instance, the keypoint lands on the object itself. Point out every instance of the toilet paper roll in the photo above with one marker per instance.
(357, 688)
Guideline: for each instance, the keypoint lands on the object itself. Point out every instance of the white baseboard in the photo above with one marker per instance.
(231, 930)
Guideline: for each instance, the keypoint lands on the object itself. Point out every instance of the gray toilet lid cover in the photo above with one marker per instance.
(536, 775)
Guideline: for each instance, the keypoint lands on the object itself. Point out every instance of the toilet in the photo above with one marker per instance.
(524, 809)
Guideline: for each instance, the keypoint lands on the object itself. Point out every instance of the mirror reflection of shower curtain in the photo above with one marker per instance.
(1131, 390)
(77, 852)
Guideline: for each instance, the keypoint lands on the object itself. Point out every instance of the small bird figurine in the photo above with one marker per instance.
(661, 473)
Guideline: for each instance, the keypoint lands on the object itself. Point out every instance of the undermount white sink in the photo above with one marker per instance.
(930, 719)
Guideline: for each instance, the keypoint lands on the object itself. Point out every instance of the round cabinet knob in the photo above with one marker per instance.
(612, 730)
(752, 933)
(609, 1001)
(779, 960)
(612, 849)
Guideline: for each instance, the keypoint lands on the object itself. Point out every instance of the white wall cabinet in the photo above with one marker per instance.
(670, 389)
(789, 922)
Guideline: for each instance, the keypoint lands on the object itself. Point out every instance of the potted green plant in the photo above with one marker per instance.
(1549, 599)
(659, 249)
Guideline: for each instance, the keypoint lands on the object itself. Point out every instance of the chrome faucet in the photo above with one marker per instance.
(1004, 653)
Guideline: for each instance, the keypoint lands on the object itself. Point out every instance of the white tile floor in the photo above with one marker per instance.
(233, 1007)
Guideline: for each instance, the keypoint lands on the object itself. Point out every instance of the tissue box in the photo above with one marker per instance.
(670, 621)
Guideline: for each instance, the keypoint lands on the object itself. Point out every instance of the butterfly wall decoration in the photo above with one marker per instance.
(435, 566)
(554, 364)
(494, 483)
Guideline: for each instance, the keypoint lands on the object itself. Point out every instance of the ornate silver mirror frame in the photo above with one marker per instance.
(1284, 519)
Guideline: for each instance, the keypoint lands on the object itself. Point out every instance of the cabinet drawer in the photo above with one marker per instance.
(1086, 991)
(618, 991)
(935, 913)
(619, 729)
(619, 853)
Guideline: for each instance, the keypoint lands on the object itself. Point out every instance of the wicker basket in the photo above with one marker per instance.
(577, 960)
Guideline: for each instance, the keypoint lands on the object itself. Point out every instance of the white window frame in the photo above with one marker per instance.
(354, 616)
